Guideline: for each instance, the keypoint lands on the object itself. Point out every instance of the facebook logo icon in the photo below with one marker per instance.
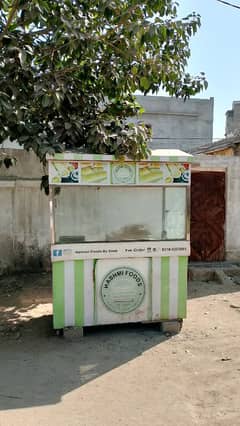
(57, 253)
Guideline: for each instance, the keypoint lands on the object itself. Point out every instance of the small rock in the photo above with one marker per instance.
(226, 358)
(17, 335)
(234, 306)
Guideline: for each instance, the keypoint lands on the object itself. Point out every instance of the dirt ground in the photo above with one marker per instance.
(122, 375)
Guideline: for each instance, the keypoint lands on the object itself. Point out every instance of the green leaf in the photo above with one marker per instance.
(67, 126)
(46, 101)
(22, 57)
(145, 83)
(134, 70)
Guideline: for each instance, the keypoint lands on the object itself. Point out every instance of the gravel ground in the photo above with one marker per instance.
(122, 375)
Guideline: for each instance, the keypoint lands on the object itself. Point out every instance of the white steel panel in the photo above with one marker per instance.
(156, 288)
(88, 293)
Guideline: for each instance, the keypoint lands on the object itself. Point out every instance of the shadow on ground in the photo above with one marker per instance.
(39, 368)
(198, 289)
(204, 282)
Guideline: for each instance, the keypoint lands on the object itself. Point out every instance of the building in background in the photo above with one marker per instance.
(232, 126)
(226, 147)
(230, 144)
(177, 123)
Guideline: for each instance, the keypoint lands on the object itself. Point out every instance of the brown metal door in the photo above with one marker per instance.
(207, 216)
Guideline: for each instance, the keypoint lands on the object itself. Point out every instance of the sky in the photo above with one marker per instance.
(215, 50)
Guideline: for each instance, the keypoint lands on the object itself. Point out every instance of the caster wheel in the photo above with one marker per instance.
(171, 326)
(59, 332)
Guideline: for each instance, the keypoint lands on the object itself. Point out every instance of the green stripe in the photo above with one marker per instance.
(154, 158)
(170, 159)
(79, 292)
(58, 295)
(98, 157)
(175, 159)
(164, 287)
(77, 157)
(59, 156)
(182, 286)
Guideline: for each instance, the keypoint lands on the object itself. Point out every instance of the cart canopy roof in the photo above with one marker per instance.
(162, 155)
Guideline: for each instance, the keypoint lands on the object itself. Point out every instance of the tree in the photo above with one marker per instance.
(69, 69)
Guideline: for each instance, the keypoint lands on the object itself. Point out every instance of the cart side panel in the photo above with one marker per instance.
(74, 293)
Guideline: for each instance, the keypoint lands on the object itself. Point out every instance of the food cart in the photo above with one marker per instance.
(120, 238)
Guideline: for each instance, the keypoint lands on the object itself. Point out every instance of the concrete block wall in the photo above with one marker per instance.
(24, 216)
(231, 165)
(177, 123)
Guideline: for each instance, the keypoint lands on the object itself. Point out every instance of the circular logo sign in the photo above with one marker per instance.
(123, 173)
(123, 290)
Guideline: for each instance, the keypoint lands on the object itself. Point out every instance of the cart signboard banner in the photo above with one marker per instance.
(118, 173)
(119, 250)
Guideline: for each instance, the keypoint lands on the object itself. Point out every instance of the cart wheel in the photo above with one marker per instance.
(59, 332)
(171, 326)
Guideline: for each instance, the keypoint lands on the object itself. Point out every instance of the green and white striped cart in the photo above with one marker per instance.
(120, 238)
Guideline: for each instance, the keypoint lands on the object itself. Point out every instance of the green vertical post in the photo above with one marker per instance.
(164, 287)
(58, 295)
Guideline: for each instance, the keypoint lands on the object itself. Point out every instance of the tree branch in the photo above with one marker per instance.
(11, 15)
(229, 4)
